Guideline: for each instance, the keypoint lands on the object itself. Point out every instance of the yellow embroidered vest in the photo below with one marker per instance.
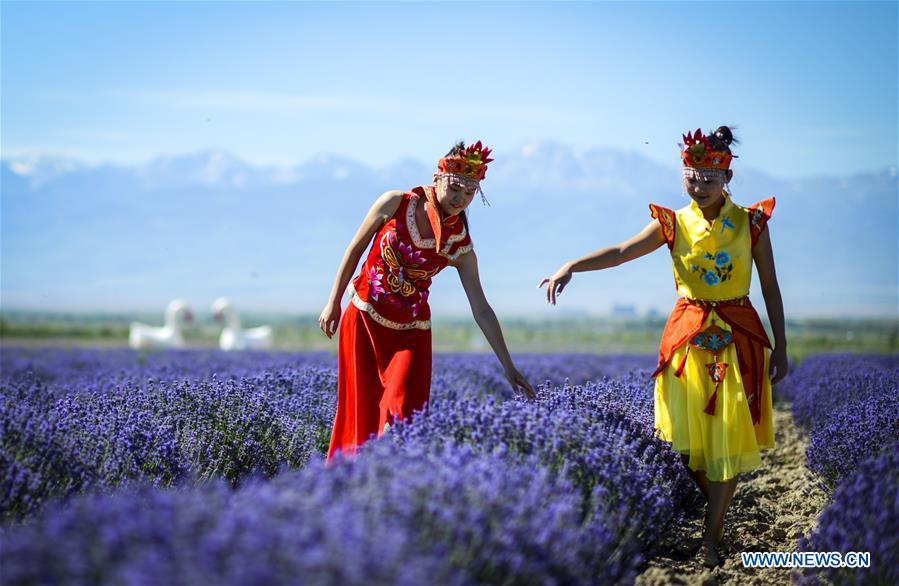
(713, 260)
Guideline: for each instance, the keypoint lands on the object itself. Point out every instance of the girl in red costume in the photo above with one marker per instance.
(384, 354)
(716, 366)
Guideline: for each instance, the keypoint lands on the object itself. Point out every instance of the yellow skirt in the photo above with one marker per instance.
(726, 443)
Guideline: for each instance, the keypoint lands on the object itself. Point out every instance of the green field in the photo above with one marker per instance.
(592, 334)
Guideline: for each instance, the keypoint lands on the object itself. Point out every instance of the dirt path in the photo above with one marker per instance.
(773, 507)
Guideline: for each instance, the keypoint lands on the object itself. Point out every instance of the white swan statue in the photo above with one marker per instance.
(141, 336)
(233, 337)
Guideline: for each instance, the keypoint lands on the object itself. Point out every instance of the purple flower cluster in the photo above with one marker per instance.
(479, 375)
(199, 467)
(599, 436)
(410, 515)
(850, 406)
(66, 371)
(862, 518)
(91, 419)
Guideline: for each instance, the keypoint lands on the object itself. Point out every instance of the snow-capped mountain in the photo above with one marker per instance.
(208, 224)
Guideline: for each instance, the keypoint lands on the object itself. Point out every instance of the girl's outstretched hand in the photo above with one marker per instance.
(329, 318)
(779, 365)
(518, 382)
(557, 283)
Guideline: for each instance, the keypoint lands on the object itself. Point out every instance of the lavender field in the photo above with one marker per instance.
(850, 407)
(200, 467)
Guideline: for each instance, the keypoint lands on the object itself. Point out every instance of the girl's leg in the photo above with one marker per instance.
(720, 495)
(698, 476)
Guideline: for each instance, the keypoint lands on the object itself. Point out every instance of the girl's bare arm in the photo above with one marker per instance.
(648, 240)
(381, 211)
(763, 255)
(484, 316)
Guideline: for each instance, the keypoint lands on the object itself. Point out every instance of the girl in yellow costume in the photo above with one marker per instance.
(716, 365)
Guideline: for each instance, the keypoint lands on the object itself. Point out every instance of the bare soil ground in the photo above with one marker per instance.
(772, 508)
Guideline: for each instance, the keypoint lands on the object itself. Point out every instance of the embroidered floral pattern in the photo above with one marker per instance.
(713, 260)
(717, 371)
(759, 214)
(405, 264)
(370, 310)
(713, 339)
(698, 154)
(720, 273)
(421, 303)
(666, 218)
(756, 218)
(374, 283)
(393, 285)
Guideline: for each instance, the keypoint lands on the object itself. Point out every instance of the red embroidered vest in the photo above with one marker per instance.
(393, 284)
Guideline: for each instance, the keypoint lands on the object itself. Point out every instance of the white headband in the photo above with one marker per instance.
(465, 181)
(705, 173)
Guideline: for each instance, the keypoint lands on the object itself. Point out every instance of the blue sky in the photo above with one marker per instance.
(812, 86)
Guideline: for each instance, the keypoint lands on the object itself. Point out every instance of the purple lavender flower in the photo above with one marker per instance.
(849, 404)
(862, 518)
(203, 467)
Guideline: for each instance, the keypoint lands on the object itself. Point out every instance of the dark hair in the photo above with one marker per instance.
(457, 149)
(722, 138)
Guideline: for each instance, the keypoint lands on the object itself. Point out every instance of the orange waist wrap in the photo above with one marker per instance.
(750, 341)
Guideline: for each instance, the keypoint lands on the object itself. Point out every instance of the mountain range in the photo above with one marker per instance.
(115, 237)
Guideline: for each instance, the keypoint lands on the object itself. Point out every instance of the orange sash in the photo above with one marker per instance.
(435, 216)
(750, 341)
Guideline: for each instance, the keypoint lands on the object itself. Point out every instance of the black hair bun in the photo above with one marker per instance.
(725, 135)
(722, 138)
(457, 148)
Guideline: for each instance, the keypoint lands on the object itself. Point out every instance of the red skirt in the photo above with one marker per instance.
(382, 375)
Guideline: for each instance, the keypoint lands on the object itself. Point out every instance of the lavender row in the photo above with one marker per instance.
(599, 436)
(71, 420)
(850, 406)
(862, 517)
(397, 515)
(65, 371)
(166, 433)
(573, 488)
